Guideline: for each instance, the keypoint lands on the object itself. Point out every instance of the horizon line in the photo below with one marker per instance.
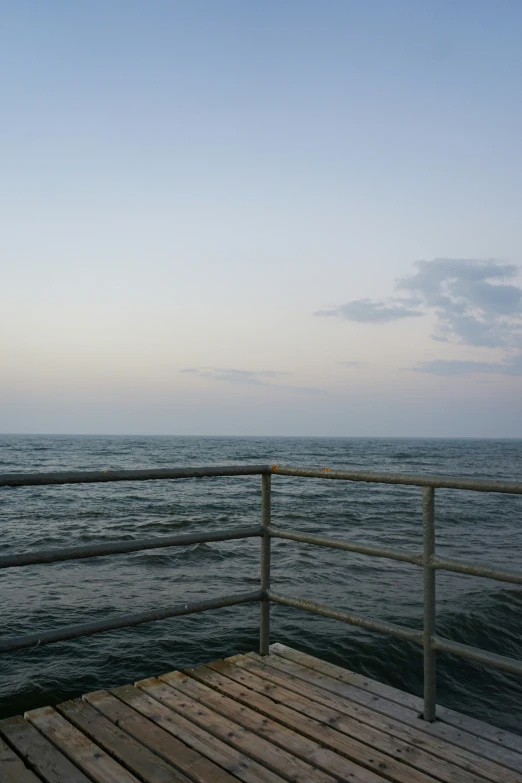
(267, 437)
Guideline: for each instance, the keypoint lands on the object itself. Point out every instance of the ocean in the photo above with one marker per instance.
(482, 528)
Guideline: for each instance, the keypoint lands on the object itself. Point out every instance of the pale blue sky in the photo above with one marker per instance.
(212, 214)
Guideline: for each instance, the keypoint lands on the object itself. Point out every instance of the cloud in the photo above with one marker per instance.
(248, 377)
(367, 311)
(355, 364)
(474, 304)
(455, 367)
(235, 376)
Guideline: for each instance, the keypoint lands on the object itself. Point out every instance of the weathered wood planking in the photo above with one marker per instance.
(84, 753)
(12, 768)
(270, 680)
(314, 752)
(229, 758)
(307, 725)
(39, 753)
(156, 739)
(283, 717)
(464, 722)
(477, 745)
(401, 749)
(133, 755)
(275, 758)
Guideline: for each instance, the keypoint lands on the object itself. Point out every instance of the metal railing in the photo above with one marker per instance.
(427, 560)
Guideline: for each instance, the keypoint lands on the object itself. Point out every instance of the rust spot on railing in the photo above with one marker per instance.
(273, 468)
(325, 470)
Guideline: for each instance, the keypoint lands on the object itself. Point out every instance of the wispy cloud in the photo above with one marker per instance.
(367, 311)
(249, 377)
(474, 304)
(355, 364)
(453, 367)
(232, 375)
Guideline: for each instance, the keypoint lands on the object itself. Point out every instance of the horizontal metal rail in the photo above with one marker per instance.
(401, 632)
(437, 482)
(120, 547)
(332, 543)
(124, 621)
(475, 569)
(479, 656)
(153, 474)
(90, 477)
(471, 569)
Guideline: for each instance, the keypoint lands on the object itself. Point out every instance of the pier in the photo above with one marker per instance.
(261, 719)
(272, 715)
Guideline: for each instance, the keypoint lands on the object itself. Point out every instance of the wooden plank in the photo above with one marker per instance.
(274, 758)
(351, 693)
(131, 754)
(363, 715)
(402, 749)
(471, 725)
(479, 747)
(470, 742)
(12, 768)
(298, 737)
(157, 740)
(349, 677)
(323, 726)
(99, 766)
(38, 753)
(239, 764)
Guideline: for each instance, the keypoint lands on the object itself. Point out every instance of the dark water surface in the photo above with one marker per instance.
(473, 526)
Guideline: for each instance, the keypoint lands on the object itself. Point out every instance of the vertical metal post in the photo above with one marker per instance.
(264, 627)
(428, 513)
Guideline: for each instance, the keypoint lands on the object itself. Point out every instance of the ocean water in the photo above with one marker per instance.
(483, 528)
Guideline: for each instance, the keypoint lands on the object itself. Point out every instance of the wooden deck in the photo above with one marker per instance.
(285, 717)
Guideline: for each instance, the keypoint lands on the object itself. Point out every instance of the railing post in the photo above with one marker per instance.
(264, 627)
(428, 513)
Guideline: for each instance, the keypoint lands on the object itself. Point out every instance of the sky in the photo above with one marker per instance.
(261, 218)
